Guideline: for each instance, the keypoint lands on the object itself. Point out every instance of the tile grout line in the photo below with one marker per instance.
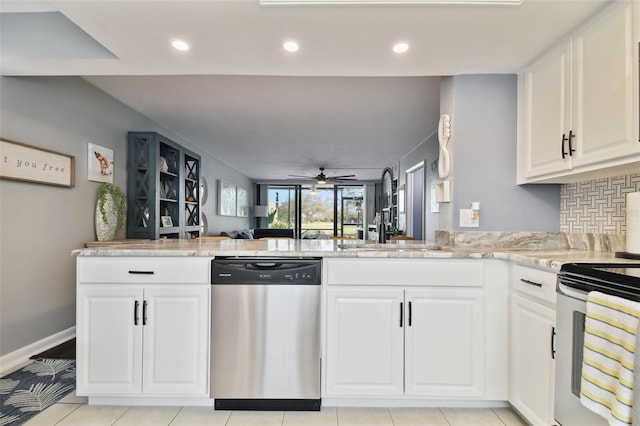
(121, 415)
(444, 416)
(68, 414)
(499, 418)
(174, 417)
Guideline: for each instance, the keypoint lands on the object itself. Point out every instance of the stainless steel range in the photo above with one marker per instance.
(575, 281)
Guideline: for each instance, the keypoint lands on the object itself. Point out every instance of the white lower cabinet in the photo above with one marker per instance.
(532, 364)
(444, 342)
(393, 341)
(142, 340)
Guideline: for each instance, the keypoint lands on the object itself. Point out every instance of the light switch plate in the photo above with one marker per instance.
(467, 220)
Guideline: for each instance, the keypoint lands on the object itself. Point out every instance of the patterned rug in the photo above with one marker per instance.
(28, 391)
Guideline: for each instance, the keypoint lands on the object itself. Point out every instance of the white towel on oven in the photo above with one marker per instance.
(611, 328)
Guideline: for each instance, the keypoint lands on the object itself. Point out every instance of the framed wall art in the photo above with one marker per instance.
(226, 199)
(28, 163)
(242, 199)
(99, 163)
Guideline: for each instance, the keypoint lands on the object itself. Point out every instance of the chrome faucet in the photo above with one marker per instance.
(385, 202)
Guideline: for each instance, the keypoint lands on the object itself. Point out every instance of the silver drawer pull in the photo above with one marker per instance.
(531, 282)
(141, 272)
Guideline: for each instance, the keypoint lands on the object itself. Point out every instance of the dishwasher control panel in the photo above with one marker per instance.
(240, 270)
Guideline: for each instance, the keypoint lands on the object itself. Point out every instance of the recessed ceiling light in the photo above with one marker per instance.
(400, 47)
(180, 45)
(290, 46)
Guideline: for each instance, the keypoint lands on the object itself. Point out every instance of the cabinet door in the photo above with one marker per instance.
(444, 343)
(109, 359)
(545, 118)
(605, 90)
(176, 339)
(364, 342)
(532, 365)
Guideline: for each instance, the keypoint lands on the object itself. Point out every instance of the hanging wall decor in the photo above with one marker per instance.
(226, 199)
(99, 163)
(31, 164)
(242, 203)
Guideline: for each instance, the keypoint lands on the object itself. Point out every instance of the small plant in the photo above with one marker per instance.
(118, 198)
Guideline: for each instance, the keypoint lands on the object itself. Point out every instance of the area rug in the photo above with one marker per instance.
(28, 391)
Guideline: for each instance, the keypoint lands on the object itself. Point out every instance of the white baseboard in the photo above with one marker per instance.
(19, 358)
(183, 401)
(411, 403)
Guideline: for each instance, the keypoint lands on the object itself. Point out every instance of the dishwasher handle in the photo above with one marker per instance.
(265, 265)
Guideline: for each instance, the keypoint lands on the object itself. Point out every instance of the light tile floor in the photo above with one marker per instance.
(73, 411)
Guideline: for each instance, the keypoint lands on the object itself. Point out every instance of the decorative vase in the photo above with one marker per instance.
(106, 230)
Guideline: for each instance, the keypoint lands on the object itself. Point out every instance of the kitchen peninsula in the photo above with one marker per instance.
(407, 323)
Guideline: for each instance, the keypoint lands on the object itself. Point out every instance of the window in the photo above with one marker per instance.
(282, 206)
(324, 212)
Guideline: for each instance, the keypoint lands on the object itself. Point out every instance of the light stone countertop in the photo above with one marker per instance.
(551, 259)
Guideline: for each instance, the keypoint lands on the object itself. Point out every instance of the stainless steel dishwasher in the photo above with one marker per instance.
(265, 333)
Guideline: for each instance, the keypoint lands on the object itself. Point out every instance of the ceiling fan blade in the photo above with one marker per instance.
(301, 176)
(342, 179)
(342, 176)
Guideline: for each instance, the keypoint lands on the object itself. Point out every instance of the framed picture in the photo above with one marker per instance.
(99, 163)
(226, 199)
(166, 221)
(27, 163)
(242, 199)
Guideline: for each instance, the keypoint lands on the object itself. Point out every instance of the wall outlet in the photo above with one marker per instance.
(467, 220)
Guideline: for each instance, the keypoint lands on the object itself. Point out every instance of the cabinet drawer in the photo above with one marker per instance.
(404, 272)
(537, 283)
(143, 270)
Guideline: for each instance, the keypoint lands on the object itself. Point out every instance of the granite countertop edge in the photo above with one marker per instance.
(550, 259)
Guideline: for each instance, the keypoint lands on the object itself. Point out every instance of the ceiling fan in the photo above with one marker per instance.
(321, 178)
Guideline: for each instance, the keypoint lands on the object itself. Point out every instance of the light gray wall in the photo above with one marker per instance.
(483, 112)
(40, 224)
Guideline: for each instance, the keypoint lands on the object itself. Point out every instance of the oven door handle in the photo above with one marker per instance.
(571, 292)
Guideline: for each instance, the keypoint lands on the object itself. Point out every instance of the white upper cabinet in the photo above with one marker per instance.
(545, 88)
(578, 104)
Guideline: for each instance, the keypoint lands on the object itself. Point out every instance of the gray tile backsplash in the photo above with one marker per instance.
(596, 206)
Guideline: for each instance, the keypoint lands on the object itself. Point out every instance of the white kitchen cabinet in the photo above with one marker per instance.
(578, 109)
(532, 362)
(137, 338)
(444, 342)
(365, 354)
(545, 91)
(109, 342)
(386, 341)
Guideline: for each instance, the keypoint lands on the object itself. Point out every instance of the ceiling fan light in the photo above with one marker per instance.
(322, 181)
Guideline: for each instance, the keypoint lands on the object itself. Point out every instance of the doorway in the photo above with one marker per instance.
(415, 201)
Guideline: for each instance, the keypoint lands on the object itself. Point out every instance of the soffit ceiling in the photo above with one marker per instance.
(344, 101)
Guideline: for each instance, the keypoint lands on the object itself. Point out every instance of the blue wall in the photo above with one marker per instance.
(483, 111)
